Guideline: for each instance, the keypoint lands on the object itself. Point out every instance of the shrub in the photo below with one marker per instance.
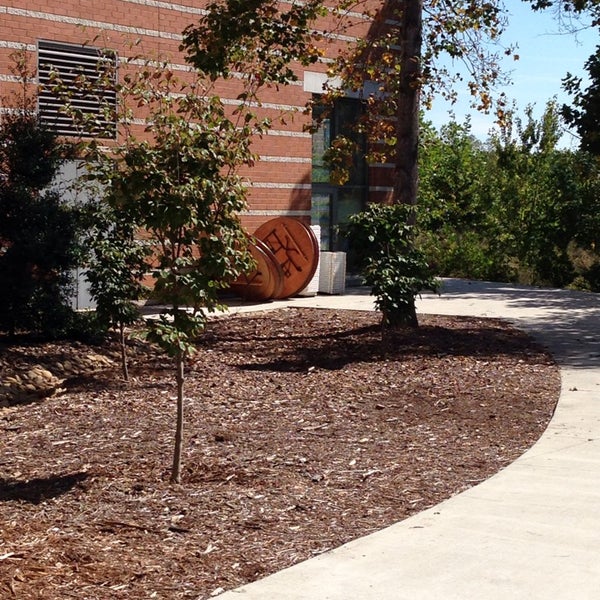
(382, 240)
(39, 231)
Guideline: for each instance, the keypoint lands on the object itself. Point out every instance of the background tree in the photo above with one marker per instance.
(573, 16)
(39, 230)
(584, 113)
(518, 208)
(459, 229)
(535, 196)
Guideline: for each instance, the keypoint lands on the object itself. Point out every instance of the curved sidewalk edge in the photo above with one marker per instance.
(530, 532)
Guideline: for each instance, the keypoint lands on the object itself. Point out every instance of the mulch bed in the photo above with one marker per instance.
(304, 431)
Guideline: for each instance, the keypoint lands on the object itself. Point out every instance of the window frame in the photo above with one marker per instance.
(331, 204)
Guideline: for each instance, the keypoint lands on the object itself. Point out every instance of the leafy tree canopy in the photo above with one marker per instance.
(584, 114)
(569, 8)
(254, 37)
(573, 15)
(397, 68)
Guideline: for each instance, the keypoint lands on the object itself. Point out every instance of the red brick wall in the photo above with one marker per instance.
(281, 181)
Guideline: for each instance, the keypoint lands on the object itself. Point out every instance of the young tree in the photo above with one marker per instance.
(115, 269)
(178, 186)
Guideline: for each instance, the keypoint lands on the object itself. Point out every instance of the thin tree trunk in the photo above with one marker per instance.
(124, 367)
(176, 471)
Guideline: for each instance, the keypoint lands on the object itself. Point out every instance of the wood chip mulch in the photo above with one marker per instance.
(304, 431)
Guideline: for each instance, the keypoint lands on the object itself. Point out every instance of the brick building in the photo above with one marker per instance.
(289, 179)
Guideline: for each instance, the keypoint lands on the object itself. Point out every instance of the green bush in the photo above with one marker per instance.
(382, 239)
(465, 254)
(510, 209)
(39, 231)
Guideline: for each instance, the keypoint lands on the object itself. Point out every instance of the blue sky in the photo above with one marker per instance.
(545, 58)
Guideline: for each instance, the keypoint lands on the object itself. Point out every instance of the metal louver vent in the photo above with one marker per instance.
(87, 77)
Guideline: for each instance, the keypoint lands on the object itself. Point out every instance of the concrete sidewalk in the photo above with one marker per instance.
(530, 532)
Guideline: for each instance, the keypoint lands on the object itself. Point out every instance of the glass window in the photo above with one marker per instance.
(332, 205)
